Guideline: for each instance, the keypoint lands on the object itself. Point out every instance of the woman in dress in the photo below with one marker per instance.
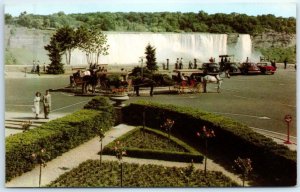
(36, 104)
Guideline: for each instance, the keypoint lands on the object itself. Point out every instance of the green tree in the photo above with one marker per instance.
(67, 41)
(8, 19)
(151, 58)
(93, 42)
(55, 54)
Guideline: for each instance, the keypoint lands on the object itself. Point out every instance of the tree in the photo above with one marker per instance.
(8, 19)
(93, 42)
(65, 37)
(150, 57)
(55, 54)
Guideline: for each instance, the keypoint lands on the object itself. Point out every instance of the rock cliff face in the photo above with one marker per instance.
(267, 40)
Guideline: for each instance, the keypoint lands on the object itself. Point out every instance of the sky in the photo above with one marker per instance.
(281, 8)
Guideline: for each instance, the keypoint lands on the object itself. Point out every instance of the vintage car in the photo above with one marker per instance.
(266, 67)
(227, 63)
(249, 68)
(211, 68)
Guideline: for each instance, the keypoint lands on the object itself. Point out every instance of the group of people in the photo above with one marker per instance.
(45, 100)
(179, 64)
(35, 68)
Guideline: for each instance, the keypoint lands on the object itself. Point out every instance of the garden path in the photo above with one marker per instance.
(89, 150)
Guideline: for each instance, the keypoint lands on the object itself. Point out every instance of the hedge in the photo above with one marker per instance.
(192, 154)
(56, 136)
(272, 161)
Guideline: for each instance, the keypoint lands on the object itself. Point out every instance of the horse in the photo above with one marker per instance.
(143, 82)
(89, 78)
(211, 79)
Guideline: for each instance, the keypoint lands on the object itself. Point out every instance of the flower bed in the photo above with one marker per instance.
(271, 161)
(154, 144)
(89, 174)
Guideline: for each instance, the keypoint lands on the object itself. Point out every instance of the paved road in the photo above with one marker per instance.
(260, 101)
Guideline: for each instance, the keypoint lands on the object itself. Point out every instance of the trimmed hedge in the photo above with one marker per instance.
(157, 154)
(56, 136)
(272, 161)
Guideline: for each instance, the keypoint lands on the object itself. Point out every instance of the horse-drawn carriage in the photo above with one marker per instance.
(187, 79)
(113, 81)
(194, 80)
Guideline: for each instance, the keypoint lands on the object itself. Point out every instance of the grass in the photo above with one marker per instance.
(149, 140)
(154, 144)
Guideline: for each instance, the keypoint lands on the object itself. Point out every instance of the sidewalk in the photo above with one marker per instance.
(14, 120)
(17, 75)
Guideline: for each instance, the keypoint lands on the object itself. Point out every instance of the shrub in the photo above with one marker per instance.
(271, 160)
(57, 136)
(171, 150)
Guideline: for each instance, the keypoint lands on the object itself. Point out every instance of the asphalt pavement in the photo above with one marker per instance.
(259, 101)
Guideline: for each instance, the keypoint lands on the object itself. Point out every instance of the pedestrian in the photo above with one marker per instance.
(190, 65)
(177, 63)
(44, 67)
(38, 69)
(181, 63)
(285, 63)
(36, 104)
(33, 67)
(47, 104)
(195, 63)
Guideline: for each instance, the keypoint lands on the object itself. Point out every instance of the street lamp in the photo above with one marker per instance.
(288, 119)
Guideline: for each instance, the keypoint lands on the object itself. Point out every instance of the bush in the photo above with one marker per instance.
(271, 160)
(56, 136)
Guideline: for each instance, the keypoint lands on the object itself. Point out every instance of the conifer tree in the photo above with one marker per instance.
(151, 58)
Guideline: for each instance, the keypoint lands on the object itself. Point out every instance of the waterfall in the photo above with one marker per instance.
(127, 47)
(243, 48)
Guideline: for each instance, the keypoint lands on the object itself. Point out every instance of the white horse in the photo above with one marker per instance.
(211, 79)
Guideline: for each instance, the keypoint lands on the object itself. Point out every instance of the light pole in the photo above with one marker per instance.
(288, 119)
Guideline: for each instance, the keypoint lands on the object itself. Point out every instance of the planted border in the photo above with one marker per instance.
(90, 174)
(192, 154)
(56, 136)
(273, 161)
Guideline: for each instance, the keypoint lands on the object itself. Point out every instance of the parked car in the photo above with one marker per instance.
(211, 68)
(249, 68)
(227, 63)
(266, 67)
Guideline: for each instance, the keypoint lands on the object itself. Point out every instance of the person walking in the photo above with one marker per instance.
(285, 63)
(33, 67)
(47, 104)
(38, 69)
(36, 104)
(181, 64)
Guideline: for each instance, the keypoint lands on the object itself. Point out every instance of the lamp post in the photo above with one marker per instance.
(288, 119)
